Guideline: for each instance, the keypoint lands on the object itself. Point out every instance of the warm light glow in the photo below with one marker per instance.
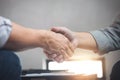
(79, 67)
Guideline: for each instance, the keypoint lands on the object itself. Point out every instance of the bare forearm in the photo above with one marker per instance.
(24, 38)
(86, 41)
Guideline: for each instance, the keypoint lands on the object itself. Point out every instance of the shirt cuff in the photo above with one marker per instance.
(102, 41)
(5, 30)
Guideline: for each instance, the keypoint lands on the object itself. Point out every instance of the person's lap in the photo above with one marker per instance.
(115, 73)
(10, 68)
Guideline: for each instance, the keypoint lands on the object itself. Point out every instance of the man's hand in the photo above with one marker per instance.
(67, 33)
(82, 40)
(70, 36)
(22, 38)
(58, 47)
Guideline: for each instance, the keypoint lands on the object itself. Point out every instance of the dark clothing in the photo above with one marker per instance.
(115, 74)
(10, 68)
(108, 39)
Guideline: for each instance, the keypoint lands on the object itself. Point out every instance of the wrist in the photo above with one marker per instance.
(86, 41)
(75, 40)
(42, 36)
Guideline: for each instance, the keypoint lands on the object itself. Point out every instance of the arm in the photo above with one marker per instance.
(101, 41)
(108, 39)
(86, 41)
(79, 39)
(22, 38)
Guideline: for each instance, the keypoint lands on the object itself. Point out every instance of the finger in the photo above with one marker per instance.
(53, 55)
(59, 55)
(71, 47)
(50, 55)
(59, 58)
(47, 54)
(62, 30)
(70, 52)
(67, 47)
(65, 54)
(67, 50)
(58, 30)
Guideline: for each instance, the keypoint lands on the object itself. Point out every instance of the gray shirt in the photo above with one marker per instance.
(108, 39)
(5, 29)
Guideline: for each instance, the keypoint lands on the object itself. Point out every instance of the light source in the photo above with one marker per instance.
(87, 67)
(83, 62)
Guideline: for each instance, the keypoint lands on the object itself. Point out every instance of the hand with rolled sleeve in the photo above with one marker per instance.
(100, 41)
(17, 38)
(78, 40)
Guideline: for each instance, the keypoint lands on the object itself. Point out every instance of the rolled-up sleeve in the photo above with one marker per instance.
(108, 39)
(5, 30)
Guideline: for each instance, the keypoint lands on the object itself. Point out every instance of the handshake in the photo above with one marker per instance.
(60, 44)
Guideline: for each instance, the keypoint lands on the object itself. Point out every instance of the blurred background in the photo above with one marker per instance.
(77, 15)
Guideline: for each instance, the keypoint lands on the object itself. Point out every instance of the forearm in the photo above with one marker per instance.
(108, 39)
(86, 41)
(78, 39)
(24, 38)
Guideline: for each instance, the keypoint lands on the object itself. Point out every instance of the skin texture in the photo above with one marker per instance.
(78, 39)
(22, 38)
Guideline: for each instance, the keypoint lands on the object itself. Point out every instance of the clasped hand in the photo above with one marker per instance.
(61, 43)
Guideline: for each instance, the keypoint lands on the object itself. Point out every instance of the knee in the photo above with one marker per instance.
(10, 62)
(115, 74)
(9, 57)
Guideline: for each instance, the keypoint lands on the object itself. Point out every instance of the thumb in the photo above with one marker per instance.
(64, 31)
(61, 30)
(70, 35)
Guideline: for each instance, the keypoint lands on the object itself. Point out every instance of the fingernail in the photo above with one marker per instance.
(54, 55)
(61, 60)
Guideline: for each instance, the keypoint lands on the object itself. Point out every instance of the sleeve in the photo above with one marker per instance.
(5, 30)
(108, 39)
